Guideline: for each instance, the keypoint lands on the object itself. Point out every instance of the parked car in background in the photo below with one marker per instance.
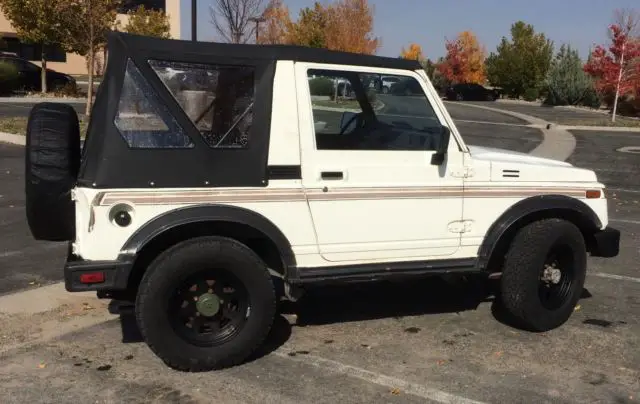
(29, 75)
(387, 82)
(405, 87)
(471, 92)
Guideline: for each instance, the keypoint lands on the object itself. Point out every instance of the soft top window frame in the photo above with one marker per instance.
(108, 162)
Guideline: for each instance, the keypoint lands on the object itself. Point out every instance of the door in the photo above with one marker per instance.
(372, 189)
(30, 75)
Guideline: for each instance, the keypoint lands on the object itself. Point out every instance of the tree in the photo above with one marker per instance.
(232, 18)
(567, 83)
(311, 28)
(38, 22)
(350, 27)
(520, 65)
(414, 52)
(345, 25)
(616, 70)
(464, 61)
(148, 22)
(276, 28)
(87, 24)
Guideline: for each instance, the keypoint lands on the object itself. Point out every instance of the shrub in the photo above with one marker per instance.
(321, 86)
(567, 83)
(591, 99)
(69, 90)
(531, 94)
(8, 78)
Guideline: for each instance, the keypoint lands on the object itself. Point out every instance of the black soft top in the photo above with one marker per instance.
(110, 161)
(265, 52)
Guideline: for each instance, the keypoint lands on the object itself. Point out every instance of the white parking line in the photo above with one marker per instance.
(616, 277)
(419, 390)
(522, 125)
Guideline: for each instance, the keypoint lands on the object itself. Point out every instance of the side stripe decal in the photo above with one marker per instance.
(162, 197)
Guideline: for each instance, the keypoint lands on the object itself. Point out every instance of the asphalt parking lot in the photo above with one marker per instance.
(428, 341)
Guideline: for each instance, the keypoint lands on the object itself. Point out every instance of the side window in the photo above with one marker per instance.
(358, 111)
(142, 119)
(218, 99)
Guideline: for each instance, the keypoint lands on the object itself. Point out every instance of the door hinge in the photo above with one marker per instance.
(464, 172)
(460, 226)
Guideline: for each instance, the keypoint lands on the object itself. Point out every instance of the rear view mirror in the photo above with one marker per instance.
(442, 146)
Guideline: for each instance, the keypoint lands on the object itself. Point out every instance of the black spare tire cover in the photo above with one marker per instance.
(52, 160)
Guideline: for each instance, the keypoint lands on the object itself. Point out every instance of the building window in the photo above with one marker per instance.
(128, 5)
(33, 52)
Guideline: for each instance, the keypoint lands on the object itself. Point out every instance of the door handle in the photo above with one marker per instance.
(332, 175)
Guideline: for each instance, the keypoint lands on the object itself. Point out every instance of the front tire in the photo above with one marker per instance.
(206, 304)
(543, 274)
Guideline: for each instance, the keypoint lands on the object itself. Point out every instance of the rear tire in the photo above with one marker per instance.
(52, 162)
(183, 323)
(534, 301)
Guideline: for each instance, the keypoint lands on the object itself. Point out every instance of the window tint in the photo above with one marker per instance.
(357, 111)
(217, 99)
(142, 120)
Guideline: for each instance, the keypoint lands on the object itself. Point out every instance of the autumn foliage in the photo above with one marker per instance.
(350, 27)
(414, 52)
(464, 61)
(343, 25)
(604, 65)
(277, 23)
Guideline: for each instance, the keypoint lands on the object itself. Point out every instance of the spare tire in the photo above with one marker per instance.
(52, 160)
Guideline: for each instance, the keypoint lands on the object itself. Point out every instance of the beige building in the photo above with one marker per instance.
(72, 63)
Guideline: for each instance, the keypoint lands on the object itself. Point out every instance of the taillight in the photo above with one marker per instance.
(92, 277)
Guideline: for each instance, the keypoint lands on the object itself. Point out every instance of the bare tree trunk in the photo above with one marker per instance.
(615, 100)
(43, 71)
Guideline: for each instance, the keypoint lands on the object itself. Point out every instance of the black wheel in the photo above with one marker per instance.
(543, 274)
(459, 97)
(206, 304)
(52, 162)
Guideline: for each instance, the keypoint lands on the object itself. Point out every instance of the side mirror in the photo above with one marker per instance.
(442, 146)
(348, 121)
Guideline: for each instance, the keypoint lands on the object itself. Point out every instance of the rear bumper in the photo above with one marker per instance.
(606, 243)
(115, 273)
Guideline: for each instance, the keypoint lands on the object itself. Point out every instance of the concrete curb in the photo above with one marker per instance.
(36, 100)
(41, 299)
(601, 128)
(557, 143)
(12, 139)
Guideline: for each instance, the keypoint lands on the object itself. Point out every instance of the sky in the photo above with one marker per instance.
(581, 23)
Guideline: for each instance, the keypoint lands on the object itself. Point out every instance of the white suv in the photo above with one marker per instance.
(192, 200)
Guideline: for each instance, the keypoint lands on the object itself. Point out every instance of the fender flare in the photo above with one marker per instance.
(536, 204)
(209, 213)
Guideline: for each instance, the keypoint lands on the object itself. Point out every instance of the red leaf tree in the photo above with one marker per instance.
(464, 62)
(616, 68)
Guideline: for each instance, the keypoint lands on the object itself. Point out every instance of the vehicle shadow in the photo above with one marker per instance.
(362, 302)
(369, 301)
(279, 335)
